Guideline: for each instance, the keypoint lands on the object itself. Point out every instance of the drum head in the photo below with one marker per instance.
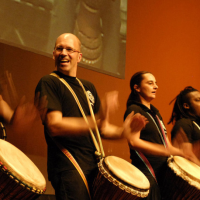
(21, 166)
(126, 172)
(187, 166)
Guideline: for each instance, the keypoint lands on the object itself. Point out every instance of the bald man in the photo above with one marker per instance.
(64, 124)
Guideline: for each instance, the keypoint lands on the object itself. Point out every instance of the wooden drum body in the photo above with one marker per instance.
(20, 179)
(182, 181)
(118, 179)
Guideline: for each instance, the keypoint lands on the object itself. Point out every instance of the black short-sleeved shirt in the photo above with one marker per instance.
(150, 133)
(60, 98)
(190, 126)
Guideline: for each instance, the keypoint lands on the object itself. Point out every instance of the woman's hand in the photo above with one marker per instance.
(133, 124)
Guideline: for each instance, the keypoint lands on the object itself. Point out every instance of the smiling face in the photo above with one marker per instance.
(147, 88)
(193, 106)
(65, 62)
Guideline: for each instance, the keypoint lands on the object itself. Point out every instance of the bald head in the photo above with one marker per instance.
(70, 36)
(67, 54)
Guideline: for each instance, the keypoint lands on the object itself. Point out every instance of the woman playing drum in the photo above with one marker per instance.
(186, 116)
(150, 148)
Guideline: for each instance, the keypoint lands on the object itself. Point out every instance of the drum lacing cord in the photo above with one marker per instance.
(21, 183)
(99, 147)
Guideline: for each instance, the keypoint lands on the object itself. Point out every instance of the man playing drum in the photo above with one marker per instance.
(65, 127)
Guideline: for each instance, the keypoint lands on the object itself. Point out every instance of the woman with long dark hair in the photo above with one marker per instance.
(150, 148)
(186, 116)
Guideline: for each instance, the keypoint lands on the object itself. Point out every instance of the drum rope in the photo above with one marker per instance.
(196, 125)
(162, 134)
(147, 163)
(94, 120)
(99, 147)
(164, 140)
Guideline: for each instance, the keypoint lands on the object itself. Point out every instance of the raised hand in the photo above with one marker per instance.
(133, 124)
(26, 113)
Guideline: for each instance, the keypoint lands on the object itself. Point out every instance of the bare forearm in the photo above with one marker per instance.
(149, 147)
(155, 149)
(68, 126)
(112, 132)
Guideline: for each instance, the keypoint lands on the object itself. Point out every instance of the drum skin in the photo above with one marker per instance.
(19, 177)
(182, 180)
(118, 180)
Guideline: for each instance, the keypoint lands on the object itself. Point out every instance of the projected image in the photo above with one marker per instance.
(100, 25)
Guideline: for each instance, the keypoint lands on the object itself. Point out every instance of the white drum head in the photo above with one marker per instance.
(126, 172)
(187, 166)
(21, 166)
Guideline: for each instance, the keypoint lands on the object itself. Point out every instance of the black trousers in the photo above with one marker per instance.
(69, 185)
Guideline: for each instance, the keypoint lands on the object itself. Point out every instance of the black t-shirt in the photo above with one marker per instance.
(152, 133)
(191, 129)
(60, 98)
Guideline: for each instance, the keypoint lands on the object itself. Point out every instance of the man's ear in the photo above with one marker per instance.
(186, 106)
(79, 57)
(53, 55)
(136, 88)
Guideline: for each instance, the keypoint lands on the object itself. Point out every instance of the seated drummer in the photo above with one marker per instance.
(186, 117)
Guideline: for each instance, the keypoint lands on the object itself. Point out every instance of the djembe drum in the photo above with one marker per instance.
(118, 179)
(182, 180)
(20, 179)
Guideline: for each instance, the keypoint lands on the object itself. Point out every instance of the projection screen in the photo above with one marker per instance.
(34, 25)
